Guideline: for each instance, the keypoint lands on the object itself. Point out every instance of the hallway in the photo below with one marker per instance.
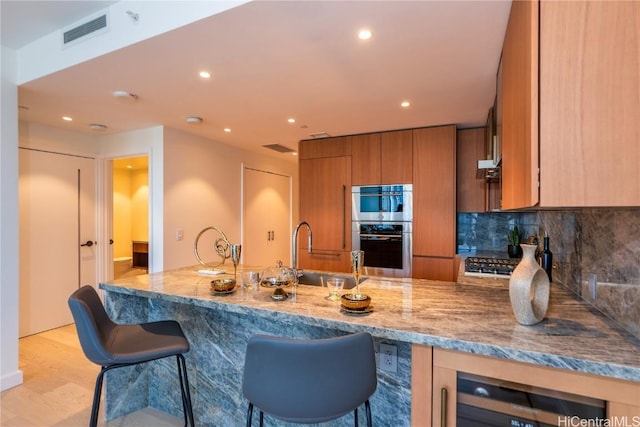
(58, 387)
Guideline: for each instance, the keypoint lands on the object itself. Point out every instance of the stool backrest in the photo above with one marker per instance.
(92, 323)
(309, 381)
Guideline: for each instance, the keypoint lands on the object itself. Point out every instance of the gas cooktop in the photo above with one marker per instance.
(485, 266)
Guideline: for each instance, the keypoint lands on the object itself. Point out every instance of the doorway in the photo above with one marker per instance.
(266, 217)
(130, 216)
(57, 235)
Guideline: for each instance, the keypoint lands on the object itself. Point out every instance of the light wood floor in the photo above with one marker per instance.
(58, 387)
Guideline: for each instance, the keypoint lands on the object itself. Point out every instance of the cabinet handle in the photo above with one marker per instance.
(443, 407)
(344, 214)
(327, 253)
(273, 235)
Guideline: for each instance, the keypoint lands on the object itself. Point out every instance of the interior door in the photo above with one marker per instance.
(57, 236)
(266, 218)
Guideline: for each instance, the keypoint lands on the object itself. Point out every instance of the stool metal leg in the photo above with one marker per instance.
(95, 407)
(187, 406)
(249, 414)
(367, 407)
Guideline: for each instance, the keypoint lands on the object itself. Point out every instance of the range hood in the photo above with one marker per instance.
(488, 169)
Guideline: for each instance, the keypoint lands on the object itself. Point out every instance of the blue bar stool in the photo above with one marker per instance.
(309, 381)
(110, 345)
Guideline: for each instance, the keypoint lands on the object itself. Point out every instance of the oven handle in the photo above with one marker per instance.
(380, 237)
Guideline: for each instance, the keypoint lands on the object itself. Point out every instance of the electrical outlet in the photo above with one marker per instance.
(389, 357)
(179, 234)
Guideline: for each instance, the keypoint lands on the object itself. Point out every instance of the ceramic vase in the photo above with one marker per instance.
(529, 288)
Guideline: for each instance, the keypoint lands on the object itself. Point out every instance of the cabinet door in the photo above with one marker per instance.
(325, 194)
(590, 103)
(396, 157)
(518, 106)
(324, 147)
(434, 191)
(365, 159)
(471, 190)
(434, 268)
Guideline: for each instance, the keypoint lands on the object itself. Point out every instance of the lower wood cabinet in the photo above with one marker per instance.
(438, 400)
(325, 260)
(434, 268)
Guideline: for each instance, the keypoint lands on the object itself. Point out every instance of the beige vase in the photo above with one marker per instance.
(529, 288)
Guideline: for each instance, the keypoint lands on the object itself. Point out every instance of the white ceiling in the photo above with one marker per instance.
(274, 60)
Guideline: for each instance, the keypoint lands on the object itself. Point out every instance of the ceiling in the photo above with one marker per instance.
(275, 60)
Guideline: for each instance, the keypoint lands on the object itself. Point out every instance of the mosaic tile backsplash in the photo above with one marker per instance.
(596, 252)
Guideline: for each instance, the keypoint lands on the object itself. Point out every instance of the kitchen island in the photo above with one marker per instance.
(471, 317)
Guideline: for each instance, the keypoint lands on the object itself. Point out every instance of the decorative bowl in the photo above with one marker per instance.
(355, 301)
(223, 285)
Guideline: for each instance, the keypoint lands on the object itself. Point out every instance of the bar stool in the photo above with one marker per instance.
(110, 345)
(309, 381)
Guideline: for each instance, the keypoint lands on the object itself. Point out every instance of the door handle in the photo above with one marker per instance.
(89, 243)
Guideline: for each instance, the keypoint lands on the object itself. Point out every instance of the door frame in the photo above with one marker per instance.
(105, 214)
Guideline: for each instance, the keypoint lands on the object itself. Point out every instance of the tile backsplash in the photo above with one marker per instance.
(600, 245)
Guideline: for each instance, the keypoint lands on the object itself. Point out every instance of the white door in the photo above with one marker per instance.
(266, 218)
(57, 236)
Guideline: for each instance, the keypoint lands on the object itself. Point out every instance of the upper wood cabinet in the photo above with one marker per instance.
(382, 158)
(471, 190)
(434, 202)
(324, 147)
(365, 159)
(518, 107)
(588, 101)
(396, 155)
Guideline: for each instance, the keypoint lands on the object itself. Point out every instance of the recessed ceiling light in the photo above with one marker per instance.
(405, 104)
(227, 130)
(291, 120)
(97, 126)
(67, 118)
(364, 34)
(205, 74)
(124, 94)
(193, 119)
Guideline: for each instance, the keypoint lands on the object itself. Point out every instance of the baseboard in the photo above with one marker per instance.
(11, 380)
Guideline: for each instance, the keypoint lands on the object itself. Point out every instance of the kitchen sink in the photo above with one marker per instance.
(315, 278)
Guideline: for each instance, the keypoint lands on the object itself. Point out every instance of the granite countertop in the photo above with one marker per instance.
(473, 315)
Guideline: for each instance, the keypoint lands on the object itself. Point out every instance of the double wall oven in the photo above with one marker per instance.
(382, 227)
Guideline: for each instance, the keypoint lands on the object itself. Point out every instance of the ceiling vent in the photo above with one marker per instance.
(91, 28)
(279, 148)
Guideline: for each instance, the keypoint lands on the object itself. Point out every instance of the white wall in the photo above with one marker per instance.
(46, 55)
(202, 184)
(10, 374)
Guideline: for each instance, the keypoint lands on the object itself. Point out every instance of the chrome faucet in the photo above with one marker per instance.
(294, 243)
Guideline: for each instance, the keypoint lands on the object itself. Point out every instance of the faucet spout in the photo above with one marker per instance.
(294, 243)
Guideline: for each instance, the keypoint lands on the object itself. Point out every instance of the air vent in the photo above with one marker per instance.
(85, 29)
(279, 148)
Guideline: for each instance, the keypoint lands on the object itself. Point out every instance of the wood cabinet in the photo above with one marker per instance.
(140, 254)
(434, 202)
(324, 147)
(471, 190)
(396, 154)
(325, 203)
(621, 398)
(382, 158)
(365, 159)
(586, 106)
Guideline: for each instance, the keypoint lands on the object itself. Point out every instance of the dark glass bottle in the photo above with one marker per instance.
(547, 259)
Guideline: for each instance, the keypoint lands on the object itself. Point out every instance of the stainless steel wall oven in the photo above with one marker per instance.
(382, 202)
(382, 227)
